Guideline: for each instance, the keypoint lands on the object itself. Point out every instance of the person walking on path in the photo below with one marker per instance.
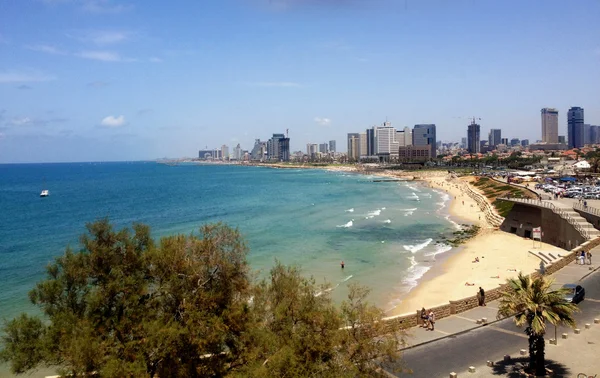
(481, 296)
(582, 258)
(431, 319)
(589, 257)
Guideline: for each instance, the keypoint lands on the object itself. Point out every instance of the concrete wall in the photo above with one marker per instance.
(593, 219)
(556, 231)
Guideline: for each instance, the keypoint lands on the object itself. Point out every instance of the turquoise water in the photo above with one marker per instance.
(385, 232)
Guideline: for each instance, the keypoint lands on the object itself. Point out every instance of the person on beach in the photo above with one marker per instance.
(582, 258)
(542, 268)
(342, 264)
(424, 318)
(481, 296)
(431, 319)
(589, 257)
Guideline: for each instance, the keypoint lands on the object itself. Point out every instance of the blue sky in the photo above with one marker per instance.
(89, 80)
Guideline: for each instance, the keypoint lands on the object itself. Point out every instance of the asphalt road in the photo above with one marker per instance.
(457, 353)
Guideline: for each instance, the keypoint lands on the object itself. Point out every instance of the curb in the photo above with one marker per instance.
(593, 271)
(453, 334)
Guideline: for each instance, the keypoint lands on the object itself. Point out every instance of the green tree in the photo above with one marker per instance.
(533, 304)
(124, 306)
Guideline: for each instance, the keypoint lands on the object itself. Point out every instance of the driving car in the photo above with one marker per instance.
(576, 293)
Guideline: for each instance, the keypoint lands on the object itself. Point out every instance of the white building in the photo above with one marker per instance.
(385, 140)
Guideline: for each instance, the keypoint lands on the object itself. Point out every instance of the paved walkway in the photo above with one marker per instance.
(467, 320)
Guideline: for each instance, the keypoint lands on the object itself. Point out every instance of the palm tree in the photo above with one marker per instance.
(533, 304)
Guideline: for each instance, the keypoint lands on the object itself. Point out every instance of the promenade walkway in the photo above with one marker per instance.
(467, 320)
(460, 343)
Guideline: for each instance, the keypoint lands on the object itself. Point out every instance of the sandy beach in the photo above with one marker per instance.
(501, 255)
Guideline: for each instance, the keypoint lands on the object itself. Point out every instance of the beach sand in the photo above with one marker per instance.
(501, 255)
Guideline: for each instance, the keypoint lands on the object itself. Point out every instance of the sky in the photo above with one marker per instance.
(114, 80)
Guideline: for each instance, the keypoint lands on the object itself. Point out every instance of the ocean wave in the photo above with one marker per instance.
(417, 247)
(347, 225)
(413, 196)
(330, 289)
(374, 213)
(409, 211)
(439, 249)
(350, 210)
(456, 225)
(413, 188)
(383, 208)
(445, 197)
(415, 272)
(387, 221)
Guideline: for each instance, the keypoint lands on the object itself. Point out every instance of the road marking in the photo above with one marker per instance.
(442, 332)
(508, 332)
(462, 317)
(592, 299)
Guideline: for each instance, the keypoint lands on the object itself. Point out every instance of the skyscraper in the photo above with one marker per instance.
(494, 138)
(424, 135)
(385, 140)
(371, 142)
(353, 146)
(549, 125)
(473, 138)
(323, 148)
(332, 146)
(463, 143)
(224, 152)
(278, 148)
(362, 140)
(575, 127)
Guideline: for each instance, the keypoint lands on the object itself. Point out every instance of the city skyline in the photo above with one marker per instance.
(90, 80)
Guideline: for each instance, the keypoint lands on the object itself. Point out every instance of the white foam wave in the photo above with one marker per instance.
(439, 249)
(383, 208)
(413, 188)
(333, 287)
(456, 225)
(409, 211)
(347, 278)
(374, 213)
(387, 221)
(350, 210)
(347, 225)
(415, 272)
(413, 197)
(417, 247)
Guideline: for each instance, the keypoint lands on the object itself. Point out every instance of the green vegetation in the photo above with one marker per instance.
(532, 303)
(125, 306)
(493, 189)
(461, 236)
(503, 207)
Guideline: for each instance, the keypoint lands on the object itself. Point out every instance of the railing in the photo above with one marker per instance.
(587, 209)
(489, 212)
(558, 210)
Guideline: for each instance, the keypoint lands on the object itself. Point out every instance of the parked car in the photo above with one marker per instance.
(576, 293)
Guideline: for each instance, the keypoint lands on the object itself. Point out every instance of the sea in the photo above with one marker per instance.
(387, 233)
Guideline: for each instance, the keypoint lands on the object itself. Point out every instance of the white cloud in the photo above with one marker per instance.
(283, 84)
(112, 121)
(46, 49)
(104, 56)
(24, 76)
(322, 121)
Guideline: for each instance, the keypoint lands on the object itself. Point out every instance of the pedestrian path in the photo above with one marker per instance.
(471, 319)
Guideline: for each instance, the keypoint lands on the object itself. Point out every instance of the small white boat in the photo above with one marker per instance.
(44, 193)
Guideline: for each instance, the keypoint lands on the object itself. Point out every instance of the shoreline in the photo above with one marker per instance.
(501, 255)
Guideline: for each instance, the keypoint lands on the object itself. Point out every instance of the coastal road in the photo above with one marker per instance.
(473, 348)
